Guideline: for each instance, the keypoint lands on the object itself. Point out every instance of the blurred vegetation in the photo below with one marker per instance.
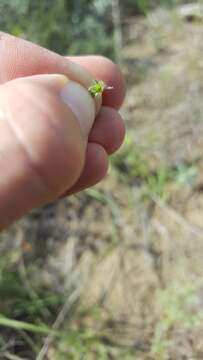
(70, 26)
(133, 168)
(27, 314)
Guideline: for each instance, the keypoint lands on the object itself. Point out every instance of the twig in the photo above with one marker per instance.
(59, 320)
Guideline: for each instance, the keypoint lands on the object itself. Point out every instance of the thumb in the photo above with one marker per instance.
(44, 124)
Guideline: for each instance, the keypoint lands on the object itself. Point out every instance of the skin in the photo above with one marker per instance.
(89, 164)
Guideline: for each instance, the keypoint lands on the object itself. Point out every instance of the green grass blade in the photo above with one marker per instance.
(21, 325)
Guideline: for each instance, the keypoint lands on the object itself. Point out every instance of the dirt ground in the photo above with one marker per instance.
(139, 258)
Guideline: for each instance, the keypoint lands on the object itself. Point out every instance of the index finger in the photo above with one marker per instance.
(21, 58)
(104, 69)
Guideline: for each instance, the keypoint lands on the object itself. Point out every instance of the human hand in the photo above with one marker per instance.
(55, 139)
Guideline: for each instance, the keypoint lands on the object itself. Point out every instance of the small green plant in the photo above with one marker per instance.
(98, 87)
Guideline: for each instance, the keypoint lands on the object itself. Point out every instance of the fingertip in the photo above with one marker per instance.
(113, 76)
(106, 70)
(108, 130)
(96, 164)
(96, 168)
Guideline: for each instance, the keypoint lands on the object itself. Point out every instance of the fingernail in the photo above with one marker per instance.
(81, 104)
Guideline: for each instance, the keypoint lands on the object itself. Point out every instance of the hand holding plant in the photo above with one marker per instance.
(55, 134)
